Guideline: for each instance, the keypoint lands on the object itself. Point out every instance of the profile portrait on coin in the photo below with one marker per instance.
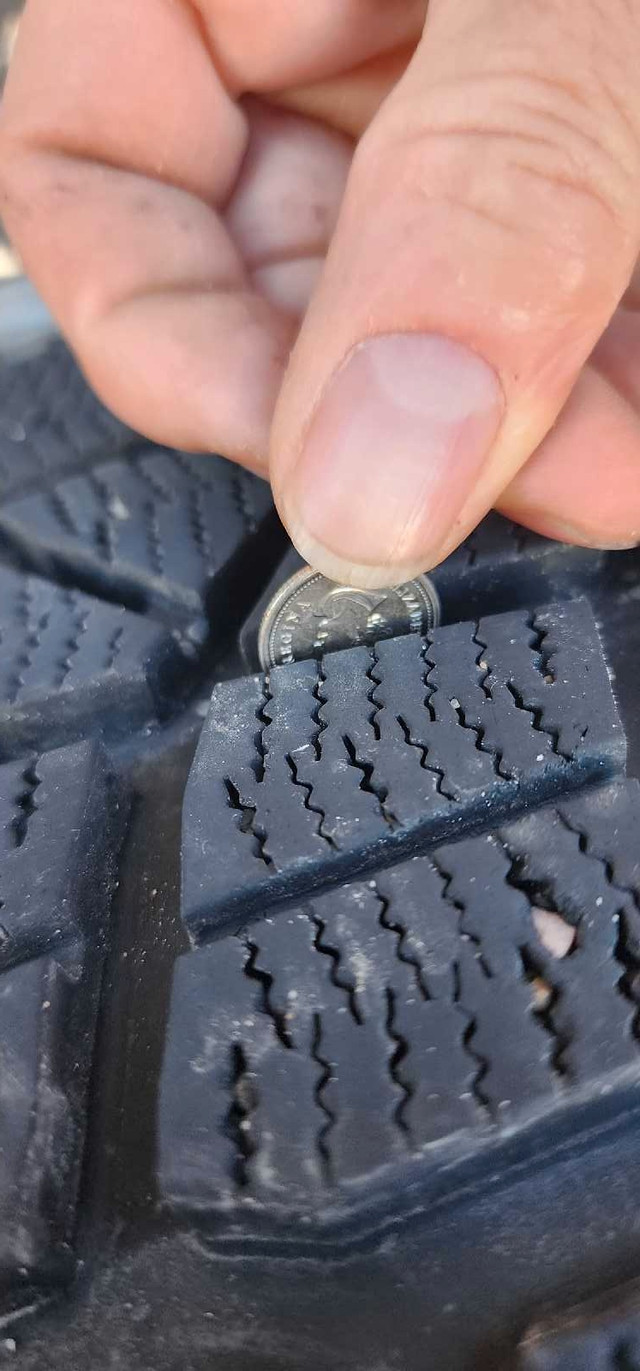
(310, 615)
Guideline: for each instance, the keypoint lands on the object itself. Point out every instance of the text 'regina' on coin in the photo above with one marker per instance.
(310, 615)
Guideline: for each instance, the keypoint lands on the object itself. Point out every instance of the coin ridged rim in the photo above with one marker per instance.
(306, 575)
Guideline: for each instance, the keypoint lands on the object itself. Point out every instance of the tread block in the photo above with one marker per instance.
(71, 665)
(60, 826)
(48, 1008)
(501, 565)
(57, 815)
(337, 766)
(51, 421)
(420, 1015)
(158, 530)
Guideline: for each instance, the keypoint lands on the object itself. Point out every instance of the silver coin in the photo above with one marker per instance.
(310, 615)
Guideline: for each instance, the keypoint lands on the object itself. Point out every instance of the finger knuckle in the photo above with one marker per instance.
(525, 152)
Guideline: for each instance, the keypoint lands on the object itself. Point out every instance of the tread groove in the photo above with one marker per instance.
(265, 980)
(247, 822)
(324, 1080)
(26, 803)
(401, 933)
(308, 792)
(239, 1117)
(400, 1050)
(480, 1063)
(335, 957)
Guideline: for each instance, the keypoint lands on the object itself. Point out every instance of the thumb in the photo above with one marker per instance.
(489, 228)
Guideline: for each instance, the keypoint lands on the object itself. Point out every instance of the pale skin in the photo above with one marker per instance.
(385, 256)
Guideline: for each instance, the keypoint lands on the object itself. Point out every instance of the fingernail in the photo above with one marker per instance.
(395, 445)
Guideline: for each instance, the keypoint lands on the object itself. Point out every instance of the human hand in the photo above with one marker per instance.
(180, 180)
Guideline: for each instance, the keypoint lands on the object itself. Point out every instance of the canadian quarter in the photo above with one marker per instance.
(310, 615)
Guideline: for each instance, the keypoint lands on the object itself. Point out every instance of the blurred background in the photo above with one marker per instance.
(9, 16)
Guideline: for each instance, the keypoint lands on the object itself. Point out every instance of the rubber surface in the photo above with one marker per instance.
(337, 765)
(61, 825)
(71, 664)
(400, 1014)
(319, 992)
(50, 422)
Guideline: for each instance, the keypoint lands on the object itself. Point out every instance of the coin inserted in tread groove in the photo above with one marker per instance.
(311, 615)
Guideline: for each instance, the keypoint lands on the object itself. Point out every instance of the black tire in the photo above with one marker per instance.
(363, 1089)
